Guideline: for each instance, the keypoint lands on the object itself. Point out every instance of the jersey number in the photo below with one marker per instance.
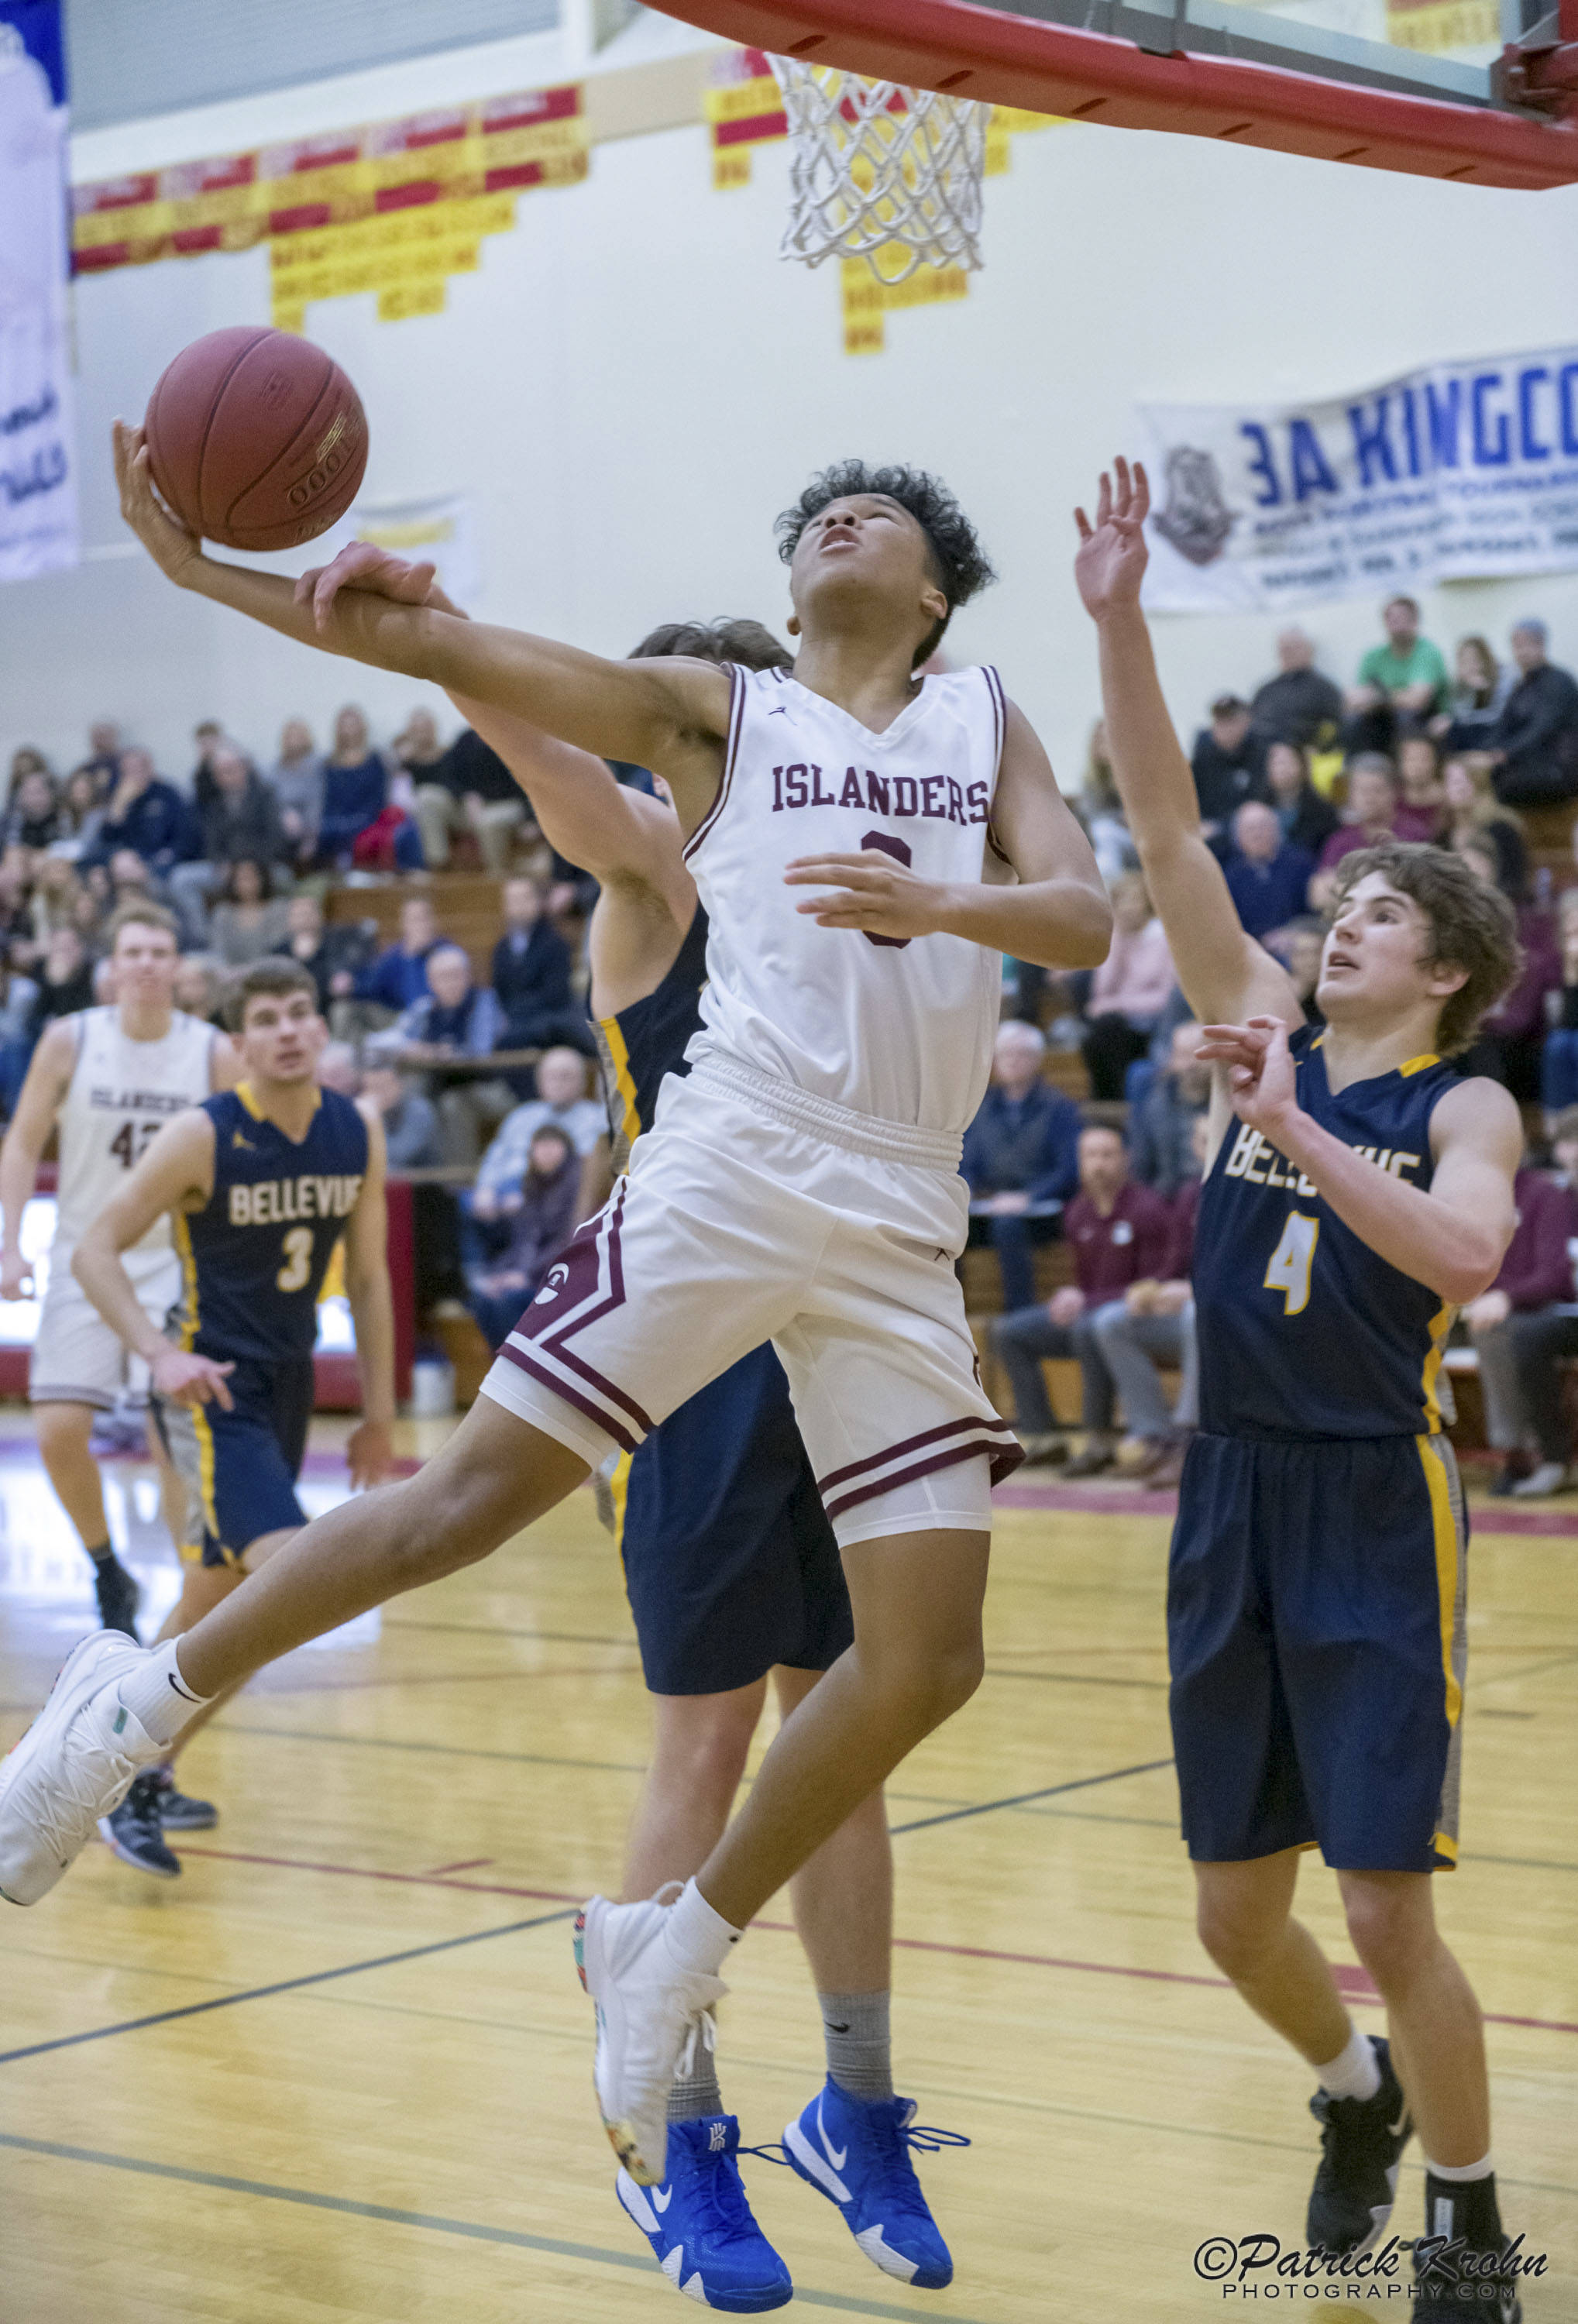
(298, 1264)
(1291, 1262)
(129, 1142)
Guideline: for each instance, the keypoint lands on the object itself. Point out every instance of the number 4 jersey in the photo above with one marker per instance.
(255, 1256)
(121, 1093)
(1304, 1330)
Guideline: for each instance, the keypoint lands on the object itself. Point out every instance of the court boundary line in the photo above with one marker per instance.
(434, 2223)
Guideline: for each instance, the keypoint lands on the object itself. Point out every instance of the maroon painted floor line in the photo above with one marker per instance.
(1351, 1980)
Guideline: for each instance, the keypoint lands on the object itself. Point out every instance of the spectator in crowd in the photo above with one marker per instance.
(1541, 1340)
(249, 920)
(332, 957)
(1372, 806)
(1471, 806)
(1300, 946)
(65, 981)
(1226, 763)
(1479, 689)
(398, 978)
(80, 818)
(1129, 991)
(417, 747)
(1100, 811)
(1268, 878)
(1536, 1276)
(18, 998)
(240, 819)
(208, 736)
(542, 1221)
(1152, 1325)
(561, 1099)
(296, 779)
(1300, 704)
(146, 814)
(531, 968)
(1559, 1053)
(103, 762)
(199, 989)
(1307, 819)
(1020, 1159)
(33, 815)
(411, 1121)
(1534, 743)
(1507, 1043)
(1421, 810)
(1118, 1230)
(1401, 684)
(1162, 1126)
(455, 1018)
(469, 789)
(53, 901)
(24, 761)
(337, 1069)
(356, 789)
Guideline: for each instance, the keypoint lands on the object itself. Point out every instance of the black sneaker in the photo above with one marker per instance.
(118, 1595)
(176, 1812)
(134, 1832)
(1467, 2283)
(1361, 2143)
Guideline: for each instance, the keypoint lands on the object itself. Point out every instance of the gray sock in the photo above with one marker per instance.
(694, 2092)
(854, 2026)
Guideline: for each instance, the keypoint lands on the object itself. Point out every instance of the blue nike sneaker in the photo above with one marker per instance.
(699, 2223)
(856, 2151)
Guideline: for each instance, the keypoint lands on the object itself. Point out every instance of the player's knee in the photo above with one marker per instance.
(1237, 1941)
(926, 1681)
(1387, 1933)
(706, 1754)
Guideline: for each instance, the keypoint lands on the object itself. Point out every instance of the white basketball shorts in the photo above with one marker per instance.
(754, 1212)
(77, 1359)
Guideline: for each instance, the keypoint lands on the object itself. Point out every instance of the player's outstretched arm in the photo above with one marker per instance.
(43, 1091)
(178, 1165)
(370, 1454)
(1224, 974)
(1451, 1238)
(667, 715)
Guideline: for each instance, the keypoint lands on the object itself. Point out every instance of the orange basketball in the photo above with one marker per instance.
(257, 438)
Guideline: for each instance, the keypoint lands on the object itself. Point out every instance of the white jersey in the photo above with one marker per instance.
(120, 1093)
(898, 1029)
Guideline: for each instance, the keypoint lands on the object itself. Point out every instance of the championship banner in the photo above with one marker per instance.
(38, 451)
(1458, 472)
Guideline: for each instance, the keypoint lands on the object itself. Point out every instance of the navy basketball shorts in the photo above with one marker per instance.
(729, 1559)
(1316, 1610)
(240, 1467)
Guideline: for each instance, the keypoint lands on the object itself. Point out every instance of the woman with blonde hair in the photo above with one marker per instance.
(1472, 807)
(1130, 990)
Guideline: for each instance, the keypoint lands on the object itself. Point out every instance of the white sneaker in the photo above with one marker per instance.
(73, 1765)
(646, 2003)
(1550, 1477)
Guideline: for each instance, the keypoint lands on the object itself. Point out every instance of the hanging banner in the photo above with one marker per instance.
(1455, 473)
(38, 450)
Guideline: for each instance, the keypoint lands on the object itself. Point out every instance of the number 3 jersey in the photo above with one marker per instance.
(121, 1093)
(255, 1256)
(1304, 1330)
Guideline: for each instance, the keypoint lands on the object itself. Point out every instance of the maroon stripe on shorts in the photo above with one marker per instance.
(910, 1444)
(545, 1379)
(945, 1459)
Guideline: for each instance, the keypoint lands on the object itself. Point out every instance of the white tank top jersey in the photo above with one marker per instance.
(121, 1091)
(898, 1029)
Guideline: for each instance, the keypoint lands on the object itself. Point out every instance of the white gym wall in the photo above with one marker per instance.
(633, 384)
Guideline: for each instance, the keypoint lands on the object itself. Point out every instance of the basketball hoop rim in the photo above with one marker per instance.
(966, 51)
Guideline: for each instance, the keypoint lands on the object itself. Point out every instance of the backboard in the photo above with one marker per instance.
(1484, 91)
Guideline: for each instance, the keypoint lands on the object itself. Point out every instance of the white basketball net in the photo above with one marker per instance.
(888, 174)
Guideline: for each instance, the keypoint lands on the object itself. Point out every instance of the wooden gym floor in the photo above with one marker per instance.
(338, 2073)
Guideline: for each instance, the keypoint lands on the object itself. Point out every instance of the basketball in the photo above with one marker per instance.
(257, 438)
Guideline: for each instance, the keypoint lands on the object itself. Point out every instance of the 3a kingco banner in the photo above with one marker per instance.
(38, 449)
(1453, 473)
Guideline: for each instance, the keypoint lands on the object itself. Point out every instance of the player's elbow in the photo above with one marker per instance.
(1076, 931)
(1472, 1267)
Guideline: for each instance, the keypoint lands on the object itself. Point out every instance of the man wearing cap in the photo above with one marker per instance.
(1534, 743)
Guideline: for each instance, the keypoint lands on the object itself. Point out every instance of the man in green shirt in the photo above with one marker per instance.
(1400, 684)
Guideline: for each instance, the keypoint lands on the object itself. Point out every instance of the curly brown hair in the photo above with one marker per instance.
(1472, 926)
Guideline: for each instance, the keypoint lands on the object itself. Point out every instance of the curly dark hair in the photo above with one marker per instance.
(960, 565)
(1472, 926)
(730, 639)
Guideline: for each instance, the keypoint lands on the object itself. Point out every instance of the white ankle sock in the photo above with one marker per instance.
(1462, 2174)
(1355, 2074)
(157, 1696)
(697, 1937)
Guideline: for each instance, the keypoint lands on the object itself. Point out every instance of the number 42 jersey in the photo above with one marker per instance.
(255, 1256)
(1304, 1330)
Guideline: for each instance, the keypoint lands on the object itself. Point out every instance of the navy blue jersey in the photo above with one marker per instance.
(1304, 1330)
(649, 1039)
(254, 1257)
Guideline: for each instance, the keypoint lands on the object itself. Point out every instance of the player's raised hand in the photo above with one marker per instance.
(15, 1277)
(1111, 558)
(171, 546)
(370, 1454)
(187, 1379)
(869, 892)
(362, 565)
(1259, 1071)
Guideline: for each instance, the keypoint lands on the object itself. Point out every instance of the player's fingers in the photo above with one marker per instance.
(1141, 492)
(1122, 466)
(1105, 501)
(1082, 524)
(307, 584)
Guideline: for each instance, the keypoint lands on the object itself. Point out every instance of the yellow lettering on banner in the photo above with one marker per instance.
(1439, 26)
(286, 315)
(426, 296)
(730, 167)
(138, 222)
(745, 100)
